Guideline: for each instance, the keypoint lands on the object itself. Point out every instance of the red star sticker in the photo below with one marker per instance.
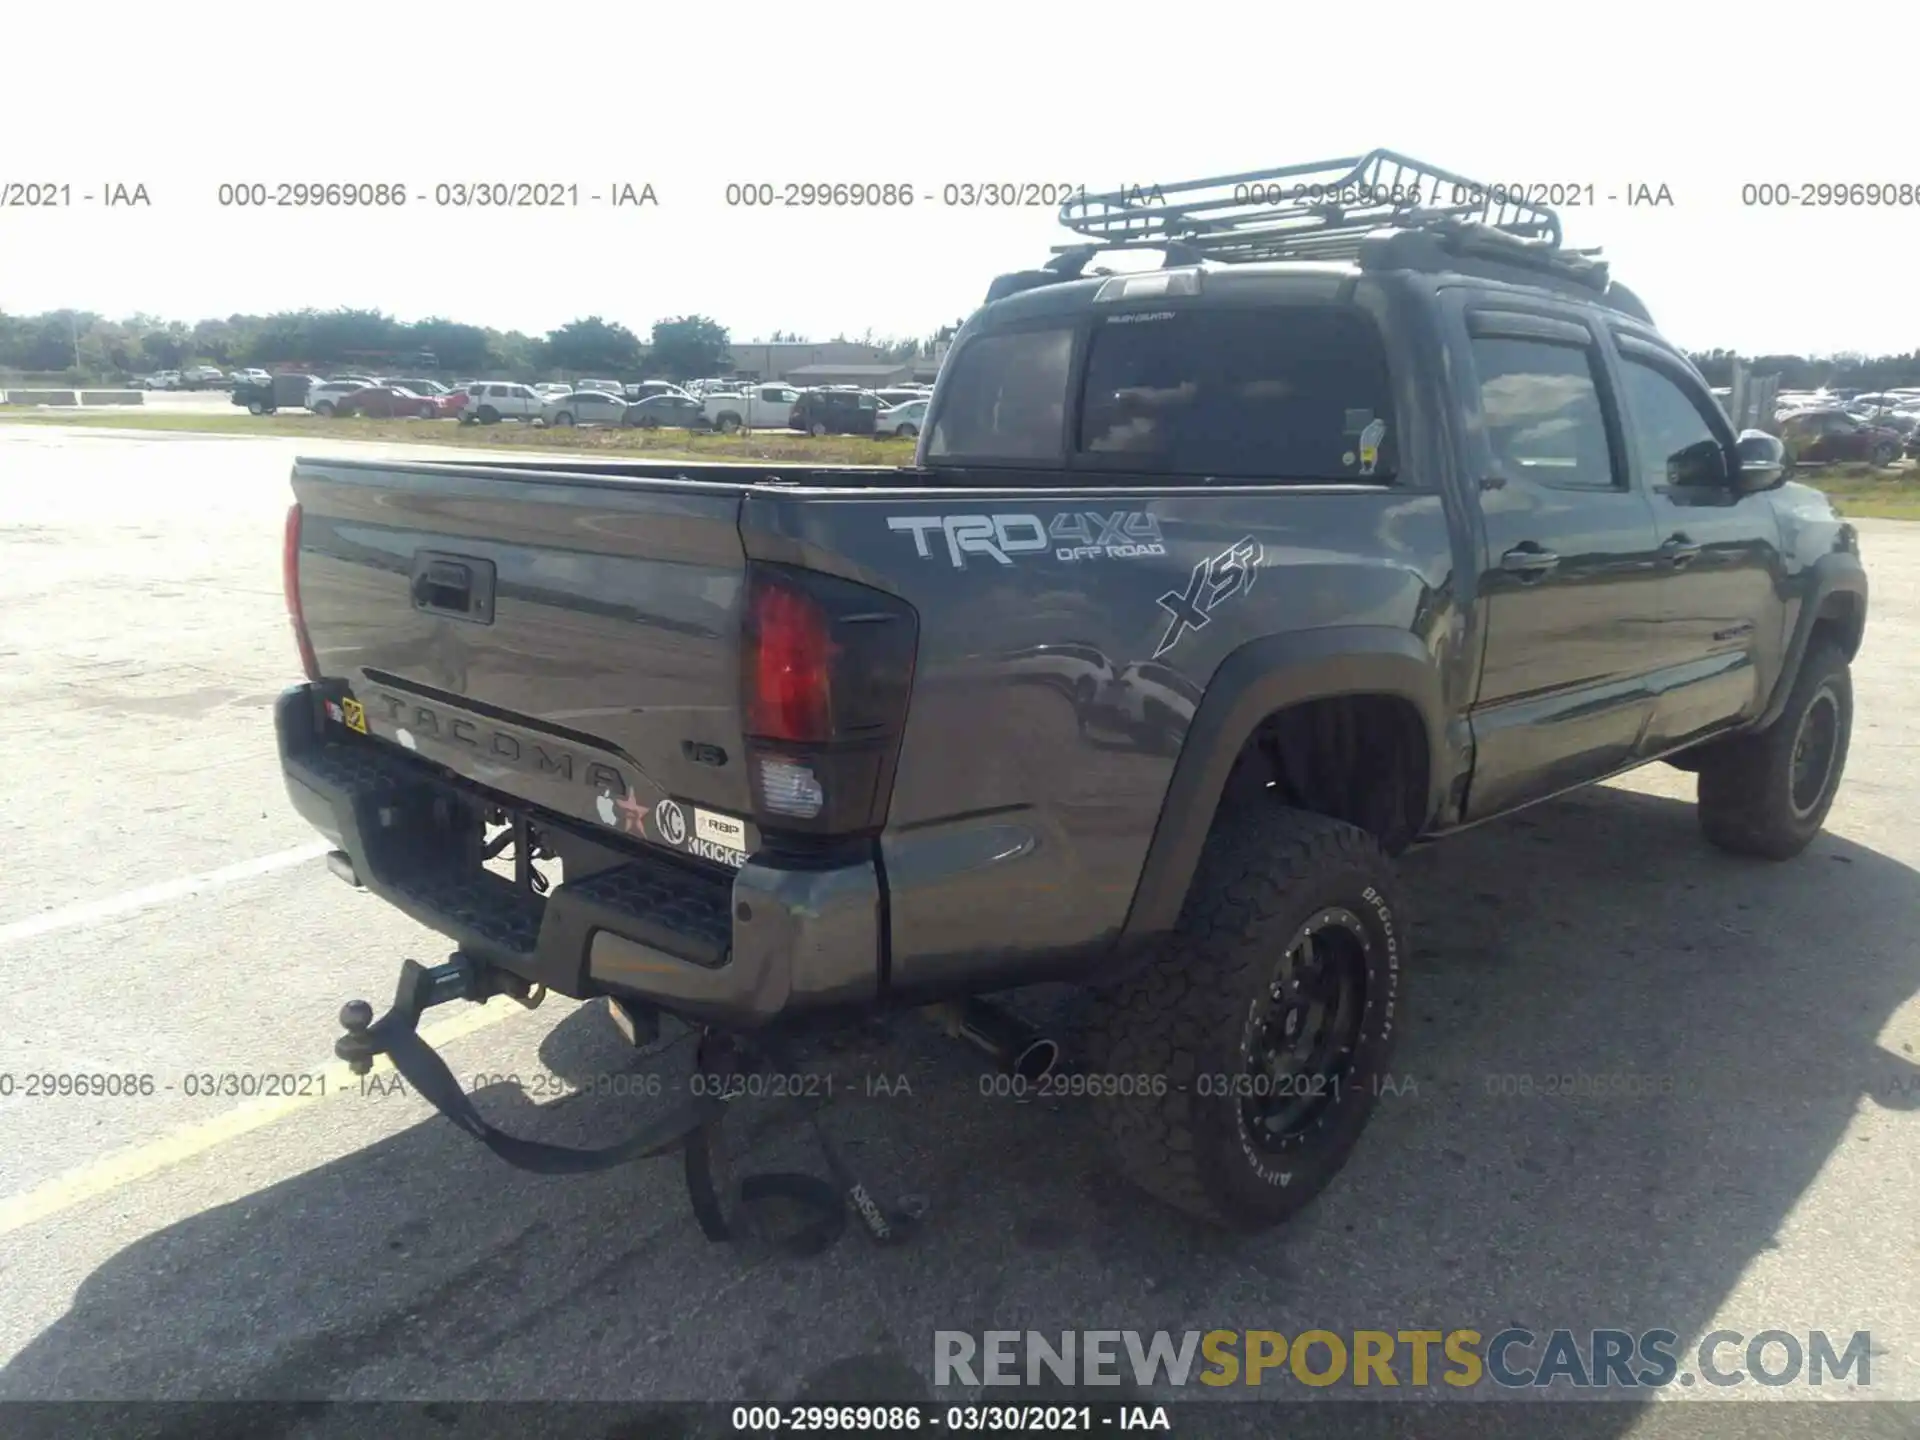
(633, 815)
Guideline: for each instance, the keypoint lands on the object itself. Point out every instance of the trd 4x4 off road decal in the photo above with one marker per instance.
(1215, 580)
(1072, 535)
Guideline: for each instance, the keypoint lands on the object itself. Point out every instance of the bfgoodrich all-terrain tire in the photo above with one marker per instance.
(1768, 794)
(1271, 1016)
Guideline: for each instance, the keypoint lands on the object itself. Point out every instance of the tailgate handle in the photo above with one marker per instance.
(456, 585)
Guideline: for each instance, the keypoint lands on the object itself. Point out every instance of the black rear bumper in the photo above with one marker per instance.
(740, 948)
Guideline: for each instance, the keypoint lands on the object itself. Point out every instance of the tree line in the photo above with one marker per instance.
(90, 348)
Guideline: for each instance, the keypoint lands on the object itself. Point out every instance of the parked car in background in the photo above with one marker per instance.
(836, 412)
(903, 420)
(323, 398)
(252, 376)
(203, 377)
(658, 410)
(552, 389)
(159, 380)
(432, 389)
(585, 407)
(278, 392)
(900, 395)
(1821, 436)
(490, 401)
(763, 407)
(646, 389)
(386, 402)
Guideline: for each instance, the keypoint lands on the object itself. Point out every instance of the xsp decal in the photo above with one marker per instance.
(1072, 535)
(1215, 580)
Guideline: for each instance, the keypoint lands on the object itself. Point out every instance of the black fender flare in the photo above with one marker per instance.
(1259, 678)
(1836, 589)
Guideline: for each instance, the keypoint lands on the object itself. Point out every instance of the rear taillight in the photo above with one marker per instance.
(790, 693)
(826, 669)
(290, 578)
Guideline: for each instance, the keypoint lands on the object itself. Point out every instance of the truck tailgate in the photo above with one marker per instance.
(569, 640)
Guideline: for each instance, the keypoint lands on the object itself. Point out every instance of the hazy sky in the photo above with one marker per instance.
(689, 98)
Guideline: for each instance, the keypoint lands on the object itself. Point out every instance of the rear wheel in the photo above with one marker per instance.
(816, 429)
(1266, 1026)
(727, 424)
(1768, 794)
(565, 417)
(256, 407)
(489, 415)
(1884, 454)
(908, 431)
(325, 407)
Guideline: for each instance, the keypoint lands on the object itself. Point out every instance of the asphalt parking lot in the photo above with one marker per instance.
(164, 914)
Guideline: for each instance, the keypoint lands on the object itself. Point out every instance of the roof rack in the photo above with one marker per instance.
(1329, 210)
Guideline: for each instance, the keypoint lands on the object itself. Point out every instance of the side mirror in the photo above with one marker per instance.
(1763, 462)
(1701, 465)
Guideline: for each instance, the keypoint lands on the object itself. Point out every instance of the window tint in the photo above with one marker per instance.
(1542, 409)
(1006, 399)
(1664, 421)
(1294, 392)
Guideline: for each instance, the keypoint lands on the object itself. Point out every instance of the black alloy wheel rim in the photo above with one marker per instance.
(1814, 746)
(1305, 1030)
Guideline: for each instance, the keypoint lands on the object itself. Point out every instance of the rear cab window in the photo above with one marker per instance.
(1285, 392)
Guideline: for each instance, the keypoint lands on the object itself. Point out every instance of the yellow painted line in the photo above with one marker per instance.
(112, 1172)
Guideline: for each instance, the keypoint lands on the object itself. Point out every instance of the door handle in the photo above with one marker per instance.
(1678, 549)
(1528, 559)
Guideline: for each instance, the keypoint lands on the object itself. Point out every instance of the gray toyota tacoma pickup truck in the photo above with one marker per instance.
(1373, 513)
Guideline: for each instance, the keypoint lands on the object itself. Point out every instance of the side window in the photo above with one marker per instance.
(1006, 398)
(1542, 408)
(1665, 426)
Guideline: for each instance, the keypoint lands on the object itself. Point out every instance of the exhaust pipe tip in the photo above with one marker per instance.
(1036, 1061)
(1017, 1049)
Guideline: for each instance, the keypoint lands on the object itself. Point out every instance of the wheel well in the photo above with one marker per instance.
(1843, 620)
(1358, 758)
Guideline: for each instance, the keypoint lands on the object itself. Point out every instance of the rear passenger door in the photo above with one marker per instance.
(1570, 576)
(1722, 620)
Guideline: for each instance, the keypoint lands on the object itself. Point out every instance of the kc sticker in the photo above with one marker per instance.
(671, 821)
(1215, 580)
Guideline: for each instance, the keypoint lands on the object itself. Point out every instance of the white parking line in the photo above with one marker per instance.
(92, 912)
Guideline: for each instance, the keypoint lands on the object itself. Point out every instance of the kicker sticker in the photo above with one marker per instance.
(1072, 535)
(1215, 580)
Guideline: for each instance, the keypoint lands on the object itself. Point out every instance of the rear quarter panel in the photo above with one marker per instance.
(1037, 750)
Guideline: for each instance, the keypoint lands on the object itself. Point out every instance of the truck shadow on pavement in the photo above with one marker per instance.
(1717, 1023)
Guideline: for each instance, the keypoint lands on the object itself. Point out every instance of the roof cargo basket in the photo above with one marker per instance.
(1331, 210)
